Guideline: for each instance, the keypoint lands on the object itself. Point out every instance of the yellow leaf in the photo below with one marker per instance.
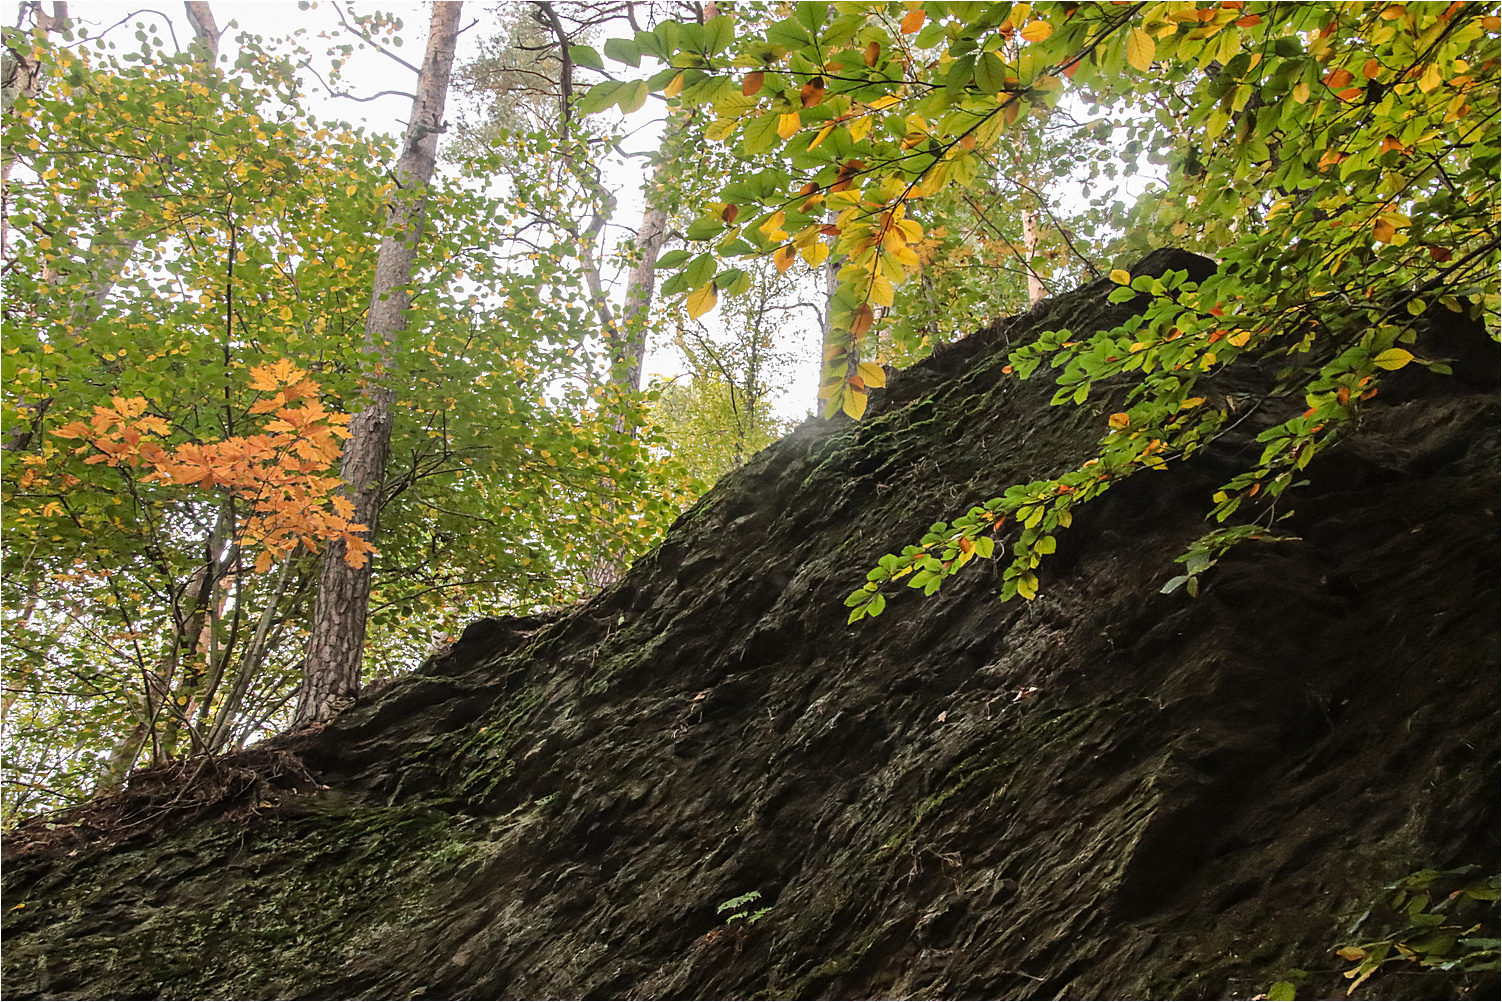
(881, 291)
(855, 402)
(1027, 586)
(1121, 276)
(351, 189)
(672, 89)
(823, 135)
(1393, 358)
(1037, 31)
(883, 102)
(773, 223)
(859, 128)
(1140, 49)
(873, 374)
(815, 253)
(720, 129)
(1431, 78)
(788, 124)
(701, 300)
(1300, 92)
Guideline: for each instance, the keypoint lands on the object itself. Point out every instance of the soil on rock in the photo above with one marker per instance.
(1105, 793)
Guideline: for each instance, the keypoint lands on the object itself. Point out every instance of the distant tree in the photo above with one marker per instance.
(720, 414)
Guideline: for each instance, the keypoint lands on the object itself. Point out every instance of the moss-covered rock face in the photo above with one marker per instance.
(1105, 793)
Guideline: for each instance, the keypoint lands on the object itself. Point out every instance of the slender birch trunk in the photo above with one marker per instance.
(331, 666)
(1031, 234)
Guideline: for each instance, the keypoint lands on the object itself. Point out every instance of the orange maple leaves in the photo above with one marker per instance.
(282, 472)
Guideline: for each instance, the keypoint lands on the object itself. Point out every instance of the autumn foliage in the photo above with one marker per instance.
(282, 474)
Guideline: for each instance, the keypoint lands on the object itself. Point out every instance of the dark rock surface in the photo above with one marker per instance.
(1105, 793)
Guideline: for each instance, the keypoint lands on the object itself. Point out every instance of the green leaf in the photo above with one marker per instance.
(598, 98)
(585, 55)
(705, 228)
(990, 73)
(1282, 991)
(623, 50)
(632, 96)
(760, 134)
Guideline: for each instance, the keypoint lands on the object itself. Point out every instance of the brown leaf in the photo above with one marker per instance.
(873, 53)
(812, 92)
(752, 83)
(731, 211)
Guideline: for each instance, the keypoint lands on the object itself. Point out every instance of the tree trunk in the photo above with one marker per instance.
(331, 667)
(1031, 233)
(205, 29)
(631, 348)
(21, 79)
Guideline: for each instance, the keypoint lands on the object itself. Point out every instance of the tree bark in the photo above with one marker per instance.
(640, 284)
(331, 666)
(1031, 233)
(205, 29)
(631, 347)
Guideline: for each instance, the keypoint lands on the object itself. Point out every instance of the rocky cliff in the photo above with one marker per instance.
(1104, 793)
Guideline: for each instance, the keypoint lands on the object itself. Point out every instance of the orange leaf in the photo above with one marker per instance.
(1371, 69)
(1119, 420)
(1391, 143)
(1037, 31)
(1338, 78)
(812, 92)
(913, 21)
(872, 54)
(784, 257)
(862, 320)
(752, 83)
(1383, 231)
(1249, 21)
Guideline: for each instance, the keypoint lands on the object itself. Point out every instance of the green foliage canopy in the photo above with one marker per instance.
(1339, 160)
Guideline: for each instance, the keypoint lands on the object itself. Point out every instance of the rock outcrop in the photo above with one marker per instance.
(1104, 793)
